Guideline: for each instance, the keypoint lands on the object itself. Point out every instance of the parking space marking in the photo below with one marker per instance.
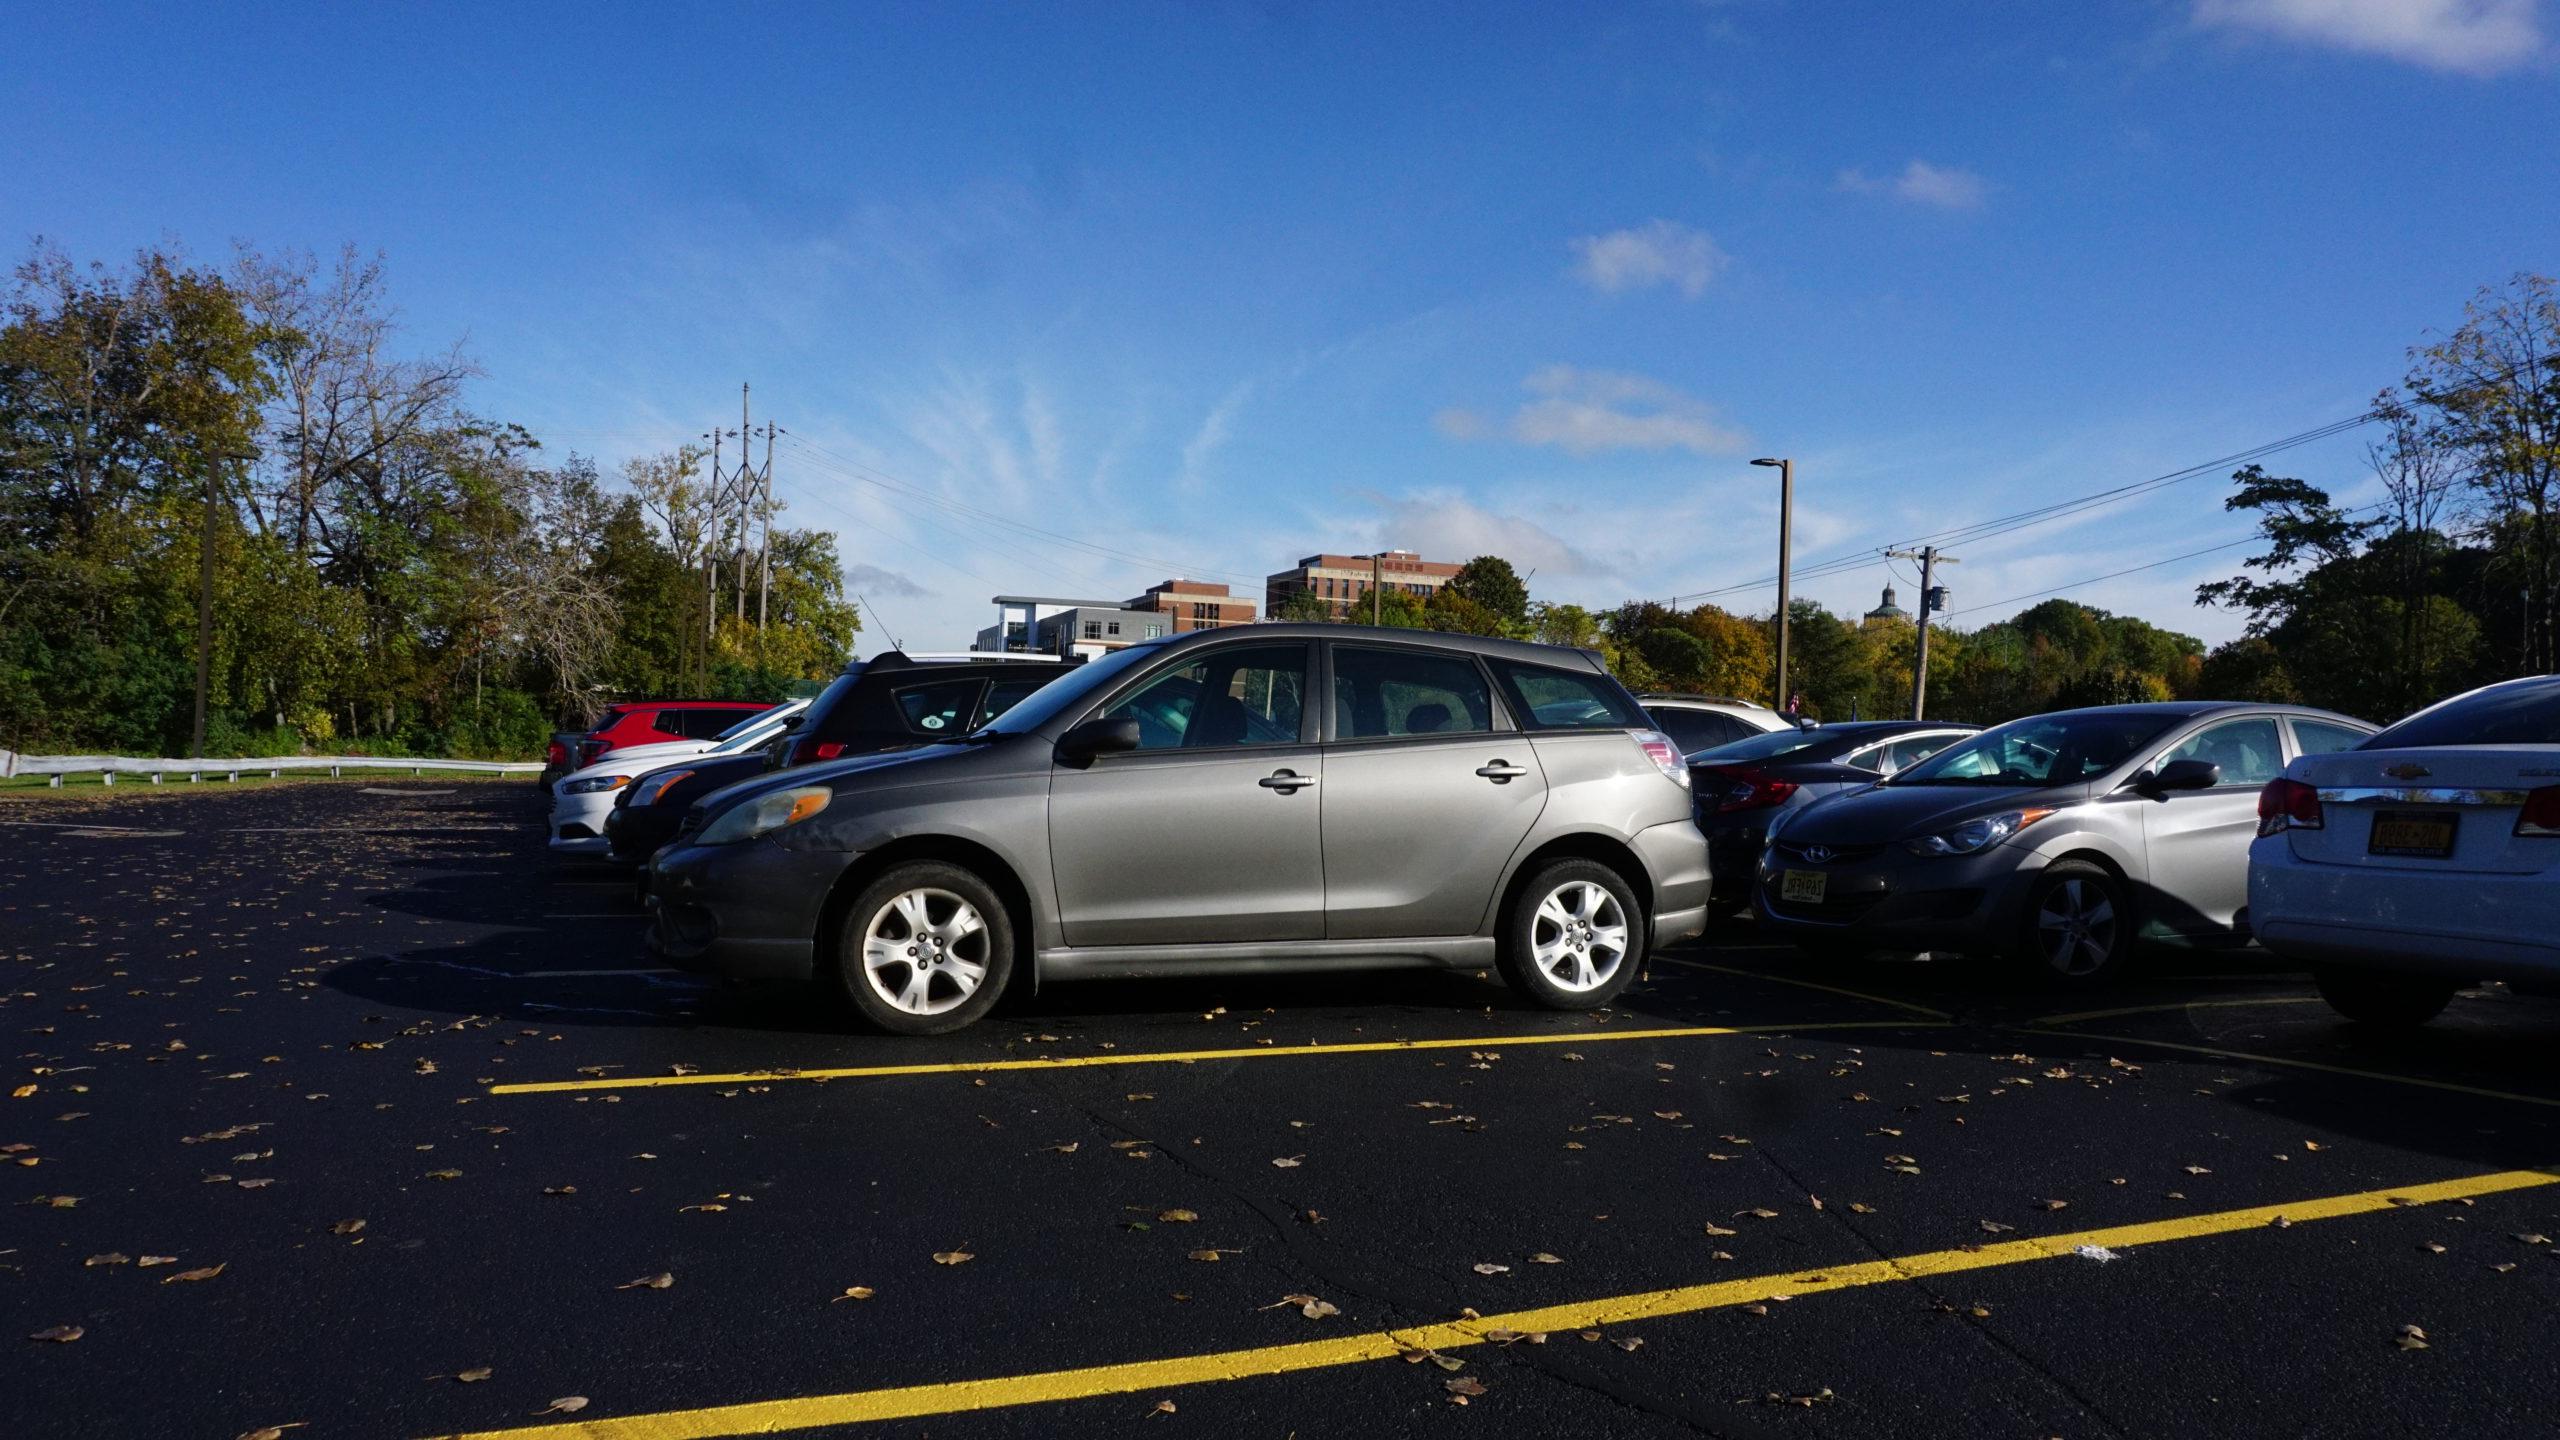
(1804, 985)
(1193, 1057)
(2079, 1015)
(2244, 1055)
(951, 1397)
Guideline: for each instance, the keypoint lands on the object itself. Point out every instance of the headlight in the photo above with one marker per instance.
(765, 814)
(1975, 835)
(595, 784)
(653, 786)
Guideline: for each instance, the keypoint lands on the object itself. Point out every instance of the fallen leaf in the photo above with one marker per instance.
(1543, 1258)
(1163, 1407)
(1715, 1229)
(1288, 1162)
(2197, 1170)
(2053, 1204)
(147, 1261)
(1464, 1386)
(272, 1432)
(2432, 1248)
(1487, 1267)
(1177, 1217)
(2530, 1238)
(565, 1405)
(1994, 1227)
(855, 1292)
(474, 1375)
(952, 1257)
(346, 1227)
(2412, 1338)
(444, 1174)
(59, 1334)
(112, 1257)
(205, 1272)
(1210, 1256)
(660, 1281)
(1308, 1305)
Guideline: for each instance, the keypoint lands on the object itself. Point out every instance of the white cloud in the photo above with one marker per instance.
(1659, 252)
(2471, 37)
(1587, 412)
(1212, 434)
(1448, 526)
(874, 583)
(1948, 187)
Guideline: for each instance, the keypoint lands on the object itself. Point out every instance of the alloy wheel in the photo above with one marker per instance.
(925, 951)
(2076, 928)
(1578, 936)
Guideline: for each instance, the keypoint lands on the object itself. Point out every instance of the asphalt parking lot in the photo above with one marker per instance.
(345, 1106)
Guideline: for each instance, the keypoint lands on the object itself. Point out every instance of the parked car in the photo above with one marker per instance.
(658, 722)
(1742, 788)
(2058, 839)
(581, 799)
(1702, 722)
(891, 701)
(559, 757)
(1243, 800)
(2422, 860)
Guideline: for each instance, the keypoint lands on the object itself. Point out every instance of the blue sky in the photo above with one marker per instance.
(1218, 285)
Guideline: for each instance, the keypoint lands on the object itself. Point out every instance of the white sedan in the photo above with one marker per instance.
(2423, 860)
(581, 799)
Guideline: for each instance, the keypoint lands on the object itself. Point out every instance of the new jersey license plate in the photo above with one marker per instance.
(2424, 834)
(1802, 887)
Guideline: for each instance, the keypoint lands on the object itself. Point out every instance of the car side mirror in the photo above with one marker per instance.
(793, 723)
(1080, 745)
(2183, 775)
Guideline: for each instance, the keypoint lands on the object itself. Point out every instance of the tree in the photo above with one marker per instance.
(2492, 388)
(1489, 582)
(1303, 607)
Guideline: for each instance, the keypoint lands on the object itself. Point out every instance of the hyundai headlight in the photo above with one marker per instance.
(594, 784)
(765, 814)
(1975, 836)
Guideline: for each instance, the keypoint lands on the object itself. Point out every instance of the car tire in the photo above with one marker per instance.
(925, 948)
(2381, 999)
(2077, 931)
(1574, 936)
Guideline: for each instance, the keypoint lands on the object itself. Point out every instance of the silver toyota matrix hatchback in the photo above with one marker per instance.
(1273, 797)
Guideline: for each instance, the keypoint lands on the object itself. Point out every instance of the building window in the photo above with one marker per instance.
(1115, 627)
(1093, 629)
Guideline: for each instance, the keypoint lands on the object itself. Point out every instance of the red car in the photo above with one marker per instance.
(649, 722)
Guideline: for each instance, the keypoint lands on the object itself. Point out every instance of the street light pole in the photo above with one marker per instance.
(1786, 536)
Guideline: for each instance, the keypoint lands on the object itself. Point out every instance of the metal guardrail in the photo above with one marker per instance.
(108, 767)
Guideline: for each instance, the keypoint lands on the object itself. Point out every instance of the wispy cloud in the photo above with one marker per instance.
(1588, 412)
(874, 583)
(2470, 37)
(1947, 187)
(1212, 434)
(1446, 525)
(1659, 252)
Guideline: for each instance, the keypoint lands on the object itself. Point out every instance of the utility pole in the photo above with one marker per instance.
(1786, 528)
(745, 487)
(1933, 597)
(710, 555)
(764, 548)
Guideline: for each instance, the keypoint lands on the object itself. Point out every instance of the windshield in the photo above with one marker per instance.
(1069, 690)
(2523, 712)
(749, 733)
(2041, 750)
(1761, 747)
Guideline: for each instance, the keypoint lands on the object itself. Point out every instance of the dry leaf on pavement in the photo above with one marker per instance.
(659, 1281)
(206, 1272)
(952, 1257)
(565, 1405)
(59, 1334)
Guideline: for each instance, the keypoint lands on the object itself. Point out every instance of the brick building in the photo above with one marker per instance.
(1195, 604)
(1344, 580)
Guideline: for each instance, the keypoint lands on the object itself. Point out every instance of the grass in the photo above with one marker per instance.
(39, 786)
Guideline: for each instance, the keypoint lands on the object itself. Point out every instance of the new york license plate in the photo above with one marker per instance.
(2426, 834)
(1802, 887)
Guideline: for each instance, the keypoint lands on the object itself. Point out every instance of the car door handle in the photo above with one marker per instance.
(1287, 782)
(1502, 772)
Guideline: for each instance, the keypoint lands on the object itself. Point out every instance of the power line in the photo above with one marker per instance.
(2138, 569)
(2045, 514)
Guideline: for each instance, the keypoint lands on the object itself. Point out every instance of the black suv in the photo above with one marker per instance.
(889, 702)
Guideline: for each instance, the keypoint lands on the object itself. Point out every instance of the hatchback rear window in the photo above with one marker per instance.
(1549, 699)
(2520, 712)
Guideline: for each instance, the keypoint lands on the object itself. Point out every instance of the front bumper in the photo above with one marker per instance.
(1883, 897)
(577, 822)
(748, 910)
(2459, 926)
(634, 833)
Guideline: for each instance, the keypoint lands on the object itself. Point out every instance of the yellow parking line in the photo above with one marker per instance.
(2079, 1015)
(2221, 1054)
(1804, 985)
(908, 1402)
(1193, 1057)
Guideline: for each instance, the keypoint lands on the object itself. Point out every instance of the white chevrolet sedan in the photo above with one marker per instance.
(2423, 860)
(581, 799)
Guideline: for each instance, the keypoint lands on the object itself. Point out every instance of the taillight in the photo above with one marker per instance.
(555, 754)
(1666, 757)
(1742, 788)
(2541, 813)
(2288, 805)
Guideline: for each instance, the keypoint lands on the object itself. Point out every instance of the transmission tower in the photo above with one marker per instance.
(741, 514)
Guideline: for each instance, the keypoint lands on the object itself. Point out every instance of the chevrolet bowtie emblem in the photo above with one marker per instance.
(2407, 772)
